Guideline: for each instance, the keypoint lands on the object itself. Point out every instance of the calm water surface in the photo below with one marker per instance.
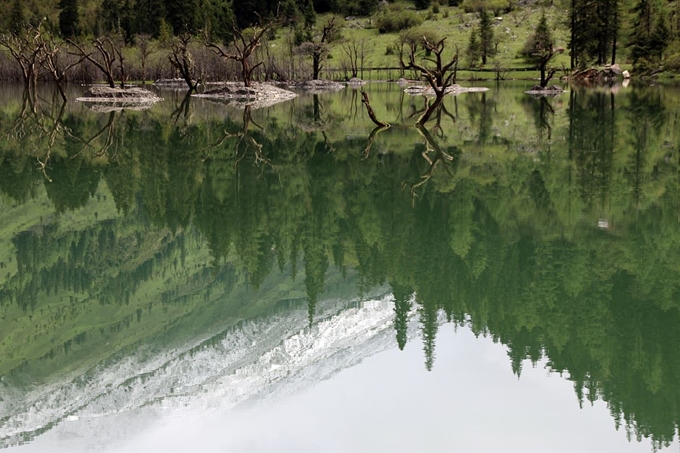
(203, 277)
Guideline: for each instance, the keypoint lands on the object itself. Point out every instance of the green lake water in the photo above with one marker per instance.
(203, 277)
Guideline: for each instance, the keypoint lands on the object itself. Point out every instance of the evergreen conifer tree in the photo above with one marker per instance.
(539, 48)
(473, 51)
(69, 18)
(17, 20)
(485, 36)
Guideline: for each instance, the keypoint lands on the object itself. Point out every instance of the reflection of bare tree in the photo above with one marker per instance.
(440, 158)
(36, 130)
(50, 132)
(246, 142)
(353, 110)
(371, 137)
(183, 109)
(439, 111)
(319, 119)
(437, 129)
(43, 130)
(543, 113)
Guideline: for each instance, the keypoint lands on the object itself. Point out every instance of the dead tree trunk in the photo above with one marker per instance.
(180, 59)
(50, 60)
(319, 50)
(25, 48)
(438, 77)
(244, 46)
(107, 51)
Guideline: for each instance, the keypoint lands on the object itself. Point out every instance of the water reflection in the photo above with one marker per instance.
(549, 225)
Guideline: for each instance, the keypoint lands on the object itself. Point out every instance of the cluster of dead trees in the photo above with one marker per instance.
(39, 54)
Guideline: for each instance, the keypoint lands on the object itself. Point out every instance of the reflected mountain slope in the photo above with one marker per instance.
(267, 357)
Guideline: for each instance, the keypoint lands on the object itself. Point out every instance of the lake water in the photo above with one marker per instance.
(202, 277)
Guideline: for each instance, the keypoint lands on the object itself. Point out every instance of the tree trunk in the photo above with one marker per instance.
(543, 81)
(316, 63)
(572, 50)
(425, 117)
(616, 31)
(245, 72)
(60, 86)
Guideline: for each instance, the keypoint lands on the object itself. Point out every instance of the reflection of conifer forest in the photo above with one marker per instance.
(557, 234)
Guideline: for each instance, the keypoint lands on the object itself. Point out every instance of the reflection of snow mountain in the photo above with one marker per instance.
(258, 359)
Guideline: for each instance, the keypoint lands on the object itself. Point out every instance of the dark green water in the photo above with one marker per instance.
(551, 226)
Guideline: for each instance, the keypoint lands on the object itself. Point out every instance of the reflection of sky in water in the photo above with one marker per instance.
(471, 401)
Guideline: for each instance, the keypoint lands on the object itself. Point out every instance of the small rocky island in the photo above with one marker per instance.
(454, 89)
(257, 95)
(108, 94)
(538, 90)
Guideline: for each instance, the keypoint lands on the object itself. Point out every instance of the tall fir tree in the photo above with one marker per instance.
(473, 51)
(539, 48)
(182, 15)
(17, 20)
(148, 17)
(649, 35)
(585, 25)
(69, 18)
(218, 20)
(486, 44)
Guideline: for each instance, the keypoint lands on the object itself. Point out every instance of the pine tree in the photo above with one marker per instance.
(69, 18)
(486, 36)
(538, 49)
(585, 26)
(148, 16)
(289, 13)
(217, 19)
(660, 37)
(17, 20)
(309, 13)
(473, 51)
(649, 36)
(182, 15)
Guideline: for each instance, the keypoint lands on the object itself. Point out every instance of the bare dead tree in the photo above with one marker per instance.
(440, 158)
(351, 51)
(49, 128)
(51, 53)
(25, 48)
(181, 59)
(243, 47)
(146, 49)
(106, 52)
(356, 55)
(369, 143)
(439, 77)
(318, 49)
(107, 131)
(183, 109)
